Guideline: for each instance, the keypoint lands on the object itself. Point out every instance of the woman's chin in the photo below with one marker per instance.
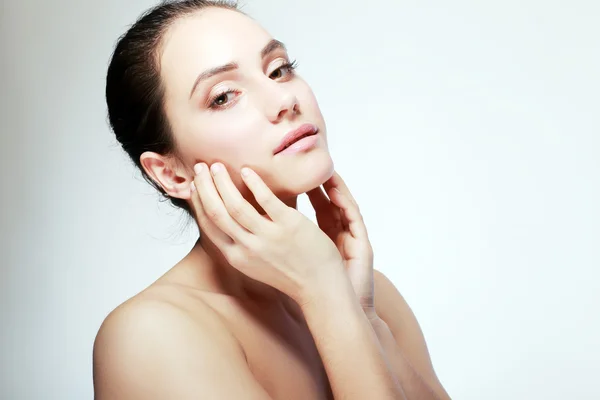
(312, 175)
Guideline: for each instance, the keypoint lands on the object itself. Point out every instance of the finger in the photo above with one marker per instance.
(350, 212)
(326, 212)
(318, 199)
(274, 207)
(337, 182)
(213, 204)
(237, 207)
(207, 227)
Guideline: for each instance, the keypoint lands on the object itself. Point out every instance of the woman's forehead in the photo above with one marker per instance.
(213, 37)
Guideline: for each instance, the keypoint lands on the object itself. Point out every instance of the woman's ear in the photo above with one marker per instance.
(168, 174)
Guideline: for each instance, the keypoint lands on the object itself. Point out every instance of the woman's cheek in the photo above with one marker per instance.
(310, 102)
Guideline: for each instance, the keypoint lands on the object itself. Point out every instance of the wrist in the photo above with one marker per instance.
(371, 313)
(383, 333)
(332, 290)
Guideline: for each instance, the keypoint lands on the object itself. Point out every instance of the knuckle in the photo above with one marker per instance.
(358, 214)
(235, 257)
(368, 248)
(256, 246)
(268, 233)
(213, 215)
(292, 222)
(236, 209)
(275, 234)
(264, 198)
(204, 222)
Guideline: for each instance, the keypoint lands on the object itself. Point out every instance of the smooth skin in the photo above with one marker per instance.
(267, 304)
(155, 349)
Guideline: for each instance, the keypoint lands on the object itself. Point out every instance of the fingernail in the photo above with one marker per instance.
(245, 171)
(215, 168)
(198, 168)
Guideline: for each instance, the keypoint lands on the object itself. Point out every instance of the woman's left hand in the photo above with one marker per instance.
(340, 218)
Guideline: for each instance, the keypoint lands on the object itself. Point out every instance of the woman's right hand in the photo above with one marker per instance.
(286, 250)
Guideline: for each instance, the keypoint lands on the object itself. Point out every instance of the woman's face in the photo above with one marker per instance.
(231, 97)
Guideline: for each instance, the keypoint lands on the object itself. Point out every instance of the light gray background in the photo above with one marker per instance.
(468, 131)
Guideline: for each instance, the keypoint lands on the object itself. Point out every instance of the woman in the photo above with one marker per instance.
(267, 305)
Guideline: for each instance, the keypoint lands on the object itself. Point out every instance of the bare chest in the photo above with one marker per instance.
(281, 353)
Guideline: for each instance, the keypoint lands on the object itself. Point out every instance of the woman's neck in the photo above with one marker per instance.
(220, 276)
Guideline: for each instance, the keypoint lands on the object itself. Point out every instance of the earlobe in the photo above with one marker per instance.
(166, 173)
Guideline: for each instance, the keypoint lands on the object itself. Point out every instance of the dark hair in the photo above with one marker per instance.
(134, 90)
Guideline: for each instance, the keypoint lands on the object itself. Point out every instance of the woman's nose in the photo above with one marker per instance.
(286, 106)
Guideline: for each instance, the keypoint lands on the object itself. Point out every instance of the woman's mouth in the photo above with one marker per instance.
(299, 139)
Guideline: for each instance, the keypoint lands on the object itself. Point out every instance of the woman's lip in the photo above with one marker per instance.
(294, 135)
(306, 143)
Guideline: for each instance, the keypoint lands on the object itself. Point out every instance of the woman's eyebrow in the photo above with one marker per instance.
(273, 45)
(212, 72)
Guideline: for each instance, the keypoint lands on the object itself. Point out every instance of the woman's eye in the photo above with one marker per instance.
(277, 73)
(223, 99)
(280, 72)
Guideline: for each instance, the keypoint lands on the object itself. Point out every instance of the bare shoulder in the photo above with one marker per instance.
(157, 311)
(152, 347)
(397, 314)
(389, 302)
(393, 309)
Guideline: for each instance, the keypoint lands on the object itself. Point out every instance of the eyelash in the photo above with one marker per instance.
(290, 66)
